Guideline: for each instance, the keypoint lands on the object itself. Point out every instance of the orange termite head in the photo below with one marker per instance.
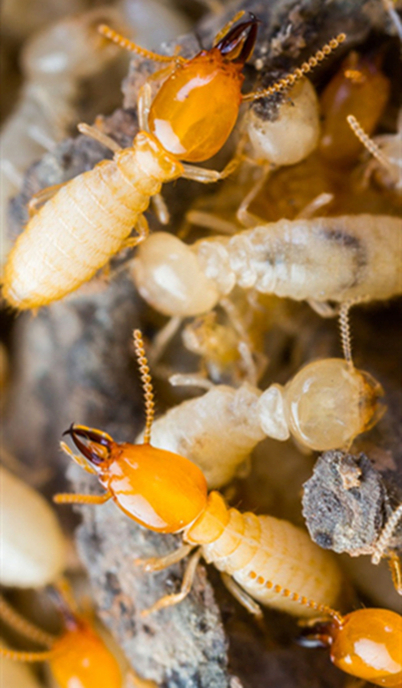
(160, 490)
(196, 108)
(366, 644)
(79, 656)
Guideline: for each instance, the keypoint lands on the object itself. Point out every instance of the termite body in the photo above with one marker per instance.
(92, 216)
(32, 543)
(79, 657)
(167, 493)
(322, 259)
(327, 404)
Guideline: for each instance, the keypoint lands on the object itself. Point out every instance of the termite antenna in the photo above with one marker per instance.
(344, 326)
(367, 142)
(146, 384)
(299, 72)
(17, 622)
(132, 47)
(386, 534)
(299, 599)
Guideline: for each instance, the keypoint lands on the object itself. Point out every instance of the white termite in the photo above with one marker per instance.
(33, 549)
(322, 259)
(324, 406)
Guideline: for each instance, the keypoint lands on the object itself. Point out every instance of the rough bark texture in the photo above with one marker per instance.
(75, 363)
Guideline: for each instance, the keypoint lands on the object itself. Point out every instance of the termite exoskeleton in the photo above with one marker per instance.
(360, 88)
(167, 493)
(79, 657)
(365, 643)
(92, 216)
(321, 259)
(33, 548)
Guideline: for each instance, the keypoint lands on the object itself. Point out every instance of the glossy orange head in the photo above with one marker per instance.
(366, 644)
(160, 490)
(196, 108)
(81, 659)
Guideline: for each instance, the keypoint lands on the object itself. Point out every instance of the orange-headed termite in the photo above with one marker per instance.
(167, 493)
(365, 643)
(79, 657)
(91, 217)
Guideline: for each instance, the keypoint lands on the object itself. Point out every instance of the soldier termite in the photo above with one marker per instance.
(32, 544)
(93, 215)
(167, 493)
(365, 643)
(79, 657)
(320, 259)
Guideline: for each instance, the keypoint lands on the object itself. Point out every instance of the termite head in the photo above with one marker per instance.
(196, 108)
(365, 644)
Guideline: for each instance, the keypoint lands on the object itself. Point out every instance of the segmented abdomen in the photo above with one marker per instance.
(85, 224)
(257, 550)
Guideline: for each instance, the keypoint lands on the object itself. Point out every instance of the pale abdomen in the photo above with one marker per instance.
(71, 237)
(257, 549)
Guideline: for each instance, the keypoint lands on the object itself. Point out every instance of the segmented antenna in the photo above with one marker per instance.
(295, 597)
(386, 534)
(13, 619)
(146, 384)
(132, 47)
(367, 141)
(344, 326)
(299, 72)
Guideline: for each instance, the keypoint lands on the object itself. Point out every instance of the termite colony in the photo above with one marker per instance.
(248, 278)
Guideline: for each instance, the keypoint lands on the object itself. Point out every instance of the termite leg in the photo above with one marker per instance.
(159, 563)
(94, 133)
(316, 204)
(213, 223)
(41, 197)
(186, 380)
(205, 176)
(78, 459)
(67, 498)
(241, 596)
(161, 209)
(245, 218)
(26, 656)
(164, 336)
(143, 231)
(395, 566)
(323, 308)
(170, 600)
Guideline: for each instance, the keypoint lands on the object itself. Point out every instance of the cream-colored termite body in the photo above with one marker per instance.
(90, 219)
(252, 548)
(33, 549)
(322, 259)
(325, 405)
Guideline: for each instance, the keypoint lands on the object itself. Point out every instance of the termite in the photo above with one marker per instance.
(321, 259)
(360, 88)
(79, 657)
(167, 493)
(91, 217)
(326, 404)
(386, 150)
(365, 643)
(33, 548)
(54, 63)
